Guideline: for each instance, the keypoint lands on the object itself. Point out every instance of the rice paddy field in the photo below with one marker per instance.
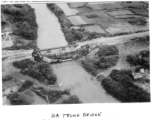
(140, 11)
(95, 28)
(134, 4)
(120, 12)
(104, 6)
(125, 28)
(77, 4)
(84, 9)
(76, 20)
(112, 17)
(67, 10)
(101, 18)
(126, 16)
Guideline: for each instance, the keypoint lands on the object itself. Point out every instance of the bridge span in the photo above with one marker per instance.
(63, 53)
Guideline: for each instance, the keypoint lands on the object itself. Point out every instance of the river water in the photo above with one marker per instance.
(49, 29)
(70, 74)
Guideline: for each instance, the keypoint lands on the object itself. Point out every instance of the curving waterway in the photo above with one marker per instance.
(70, 74)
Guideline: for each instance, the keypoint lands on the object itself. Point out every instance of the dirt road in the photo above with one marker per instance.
(11, 55)
(115, 40)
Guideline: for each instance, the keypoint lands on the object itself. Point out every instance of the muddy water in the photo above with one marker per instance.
(49, 29)
(72, 76)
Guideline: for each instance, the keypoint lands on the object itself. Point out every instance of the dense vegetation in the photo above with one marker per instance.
(17, 99)
(72, 100)
(89, 67)
(23, 20)
(107, 50)
(51, 96)
(139, 21)
(106, 57)
(41, 71)
(26, 85)
(7, 78)
(120, 85)
(71, 35)
(54, 95)
(140, 60)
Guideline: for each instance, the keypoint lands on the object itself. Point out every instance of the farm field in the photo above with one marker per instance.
(120, 12)
(76, 20)
(103, 6)
(84, 9)
(77, 4)
(133, 4)
(143, 12)
(124, 28)
(67, 10)
(126, 16)
(94, 28)
(104, 21)
(113, 17)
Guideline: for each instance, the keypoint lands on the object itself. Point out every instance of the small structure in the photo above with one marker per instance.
(137, 75)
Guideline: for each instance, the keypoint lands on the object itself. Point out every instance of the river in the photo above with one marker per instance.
(70, 74)
(49, 29)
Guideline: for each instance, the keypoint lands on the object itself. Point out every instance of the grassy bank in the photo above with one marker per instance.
(120, 85)
(106, 57)
(41, 71)
(71, 35)
(50, 96)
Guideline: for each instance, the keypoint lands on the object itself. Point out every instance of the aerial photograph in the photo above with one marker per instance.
(75, 53)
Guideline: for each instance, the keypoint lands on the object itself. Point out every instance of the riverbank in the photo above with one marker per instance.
(31, 83)
(81, 83)
(78, 33)
(120, 84)
(72, 35)
(23, 25)
(100, 59)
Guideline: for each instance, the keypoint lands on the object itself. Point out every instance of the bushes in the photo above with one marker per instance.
(120, 85)
(54, 95)
(107, 50)
(26, 63)
(107, 62)
(124, 77)
(45, 70)
(7, 78)
(114, 88)
(107, 56)
(72, 100)
(27, 84)
(16, 99)
(41, 71)
(23, 18)
(71, 35)
(141, 59)
(89, 67)
(139, 21)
